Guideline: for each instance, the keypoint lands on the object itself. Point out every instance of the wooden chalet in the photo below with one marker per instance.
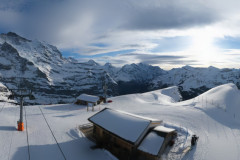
(124, 134)
(85, 99)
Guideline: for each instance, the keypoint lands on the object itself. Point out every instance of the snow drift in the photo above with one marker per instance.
(224, 97)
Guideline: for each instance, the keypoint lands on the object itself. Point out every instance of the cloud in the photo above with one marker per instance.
(153, 59)
(154, 29)
(228, 42)
(170, 14)
(74, 23)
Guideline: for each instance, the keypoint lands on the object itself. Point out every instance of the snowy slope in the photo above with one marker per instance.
(225, 97)
(41, 67)
(219, 131)
(194, 81)
(52, 129)
(4, 94)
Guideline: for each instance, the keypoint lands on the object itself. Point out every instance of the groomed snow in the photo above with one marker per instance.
(151, 143)
(218, 129)
(127, 126)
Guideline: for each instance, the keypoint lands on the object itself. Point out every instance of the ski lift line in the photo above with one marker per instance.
(52, 133)
(236, 140)
(29, 157)
(10, 148)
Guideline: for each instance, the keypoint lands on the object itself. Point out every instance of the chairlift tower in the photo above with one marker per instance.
(105, 87)
(21, 93)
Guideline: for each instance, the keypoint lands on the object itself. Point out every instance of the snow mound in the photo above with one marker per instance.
(167, 95)
(225, 97)
(172, 92)
(161, 96)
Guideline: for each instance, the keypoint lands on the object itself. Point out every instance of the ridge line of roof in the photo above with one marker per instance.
(134, 115)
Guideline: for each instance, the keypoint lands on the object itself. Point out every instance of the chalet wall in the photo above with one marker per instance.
(166, 142)
(117, 146)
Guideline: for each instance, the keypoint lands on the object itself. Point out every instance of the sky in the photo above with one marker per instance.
(165, 33)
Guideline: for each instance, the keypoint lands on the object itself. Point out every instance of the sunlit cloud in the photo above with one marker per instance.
(202, 33)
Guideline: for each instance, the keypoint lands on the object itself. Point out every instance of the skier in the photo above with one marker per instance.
(194, 140)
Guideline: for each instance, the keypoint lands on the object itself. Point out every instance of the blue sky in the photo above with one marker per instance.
(166, 33)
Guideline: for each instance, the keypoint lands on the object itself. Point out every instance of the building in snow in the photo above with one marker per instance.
(89, 100)
(126, 135)
(155, 143)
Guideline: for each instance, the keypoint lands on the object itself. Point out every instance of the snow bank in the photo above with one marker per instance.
(225, 97)
(163, 129)
(172, 92)
(161, 96)
(166, 95)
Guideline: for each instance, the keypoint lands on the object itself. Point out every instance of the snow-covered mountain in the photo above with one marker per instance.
(41, 67)
(134, 78)
(134, 72)
(54, 79)
(194, 81)
(4, 93)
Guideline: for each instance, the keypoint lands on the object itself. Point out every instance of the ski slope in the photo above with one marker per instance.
(51, 131)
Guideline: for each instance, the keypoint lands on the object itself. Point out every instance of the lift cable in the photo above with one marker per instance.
(27, 133)
(52, 133)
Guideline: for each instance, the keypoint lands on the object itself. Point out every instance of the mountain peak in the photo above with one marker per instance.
(92, 62)
(14, 36)
(108, 64)
(187, 67)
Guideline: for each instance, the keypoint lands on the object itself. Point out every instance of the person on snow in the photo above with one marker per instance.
(194, 140)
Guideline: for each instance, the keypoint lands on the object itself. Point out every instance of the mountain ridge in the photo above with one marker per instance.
(56, 79)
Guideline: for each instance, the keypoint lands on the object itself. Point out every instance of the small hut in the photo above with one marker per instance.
(155, 143)
(121, 132)
(85, 99)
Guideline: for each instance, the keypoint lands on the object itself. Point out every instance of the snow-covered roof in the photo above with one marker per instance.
(127, 126)
(152, 143)
(163, 129)
(134, 115)
(89, 98)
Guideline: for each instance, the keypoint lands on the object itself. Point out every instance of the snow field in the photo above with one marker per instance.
(217, 128)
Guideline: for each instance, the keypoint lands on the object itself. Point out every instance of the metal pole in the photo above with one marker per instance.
(21, 109)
